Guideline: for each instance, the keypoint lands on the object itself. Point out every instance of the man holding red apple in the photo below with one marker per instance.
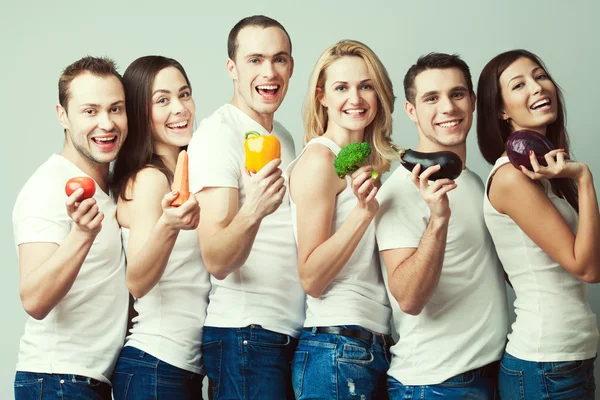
(72, 266)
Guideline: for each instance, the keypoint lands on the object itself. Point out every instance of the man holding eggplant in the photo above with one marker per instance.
(256, 307)
(443, 278)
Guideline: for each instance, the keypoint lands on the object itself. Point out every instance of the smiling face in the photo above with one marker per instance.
(261, 70)
(94, 120)
(348, 95)
(528, 95)
(172, 110)
(443, 109)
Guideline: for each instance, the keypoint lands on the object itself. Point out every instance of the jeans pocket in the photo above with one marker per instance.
(510, 383)
(264, 338)
(85, 381)
(298, 367)
(567, 380)
(461, 380)
(170, 375)
(28, 389)
(213, 358)
(121, 382)
(352, 353)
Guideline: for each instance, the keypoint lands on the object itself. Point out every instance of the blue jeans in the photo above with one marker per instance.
(140, 376)
(248, 363)
(330, 366)
(38, 386)
(477, 384)
(520, 379)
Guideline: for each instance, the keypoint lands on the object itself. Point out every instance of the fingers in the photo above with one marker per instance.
(361, 171)
(415, 175)
(534, 162)
(424, 178)
(169, 198)
(269, 168)
(72, 201)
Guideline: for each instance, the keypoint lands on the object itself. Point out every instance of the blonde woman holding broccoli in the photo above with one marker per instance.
(344, 347)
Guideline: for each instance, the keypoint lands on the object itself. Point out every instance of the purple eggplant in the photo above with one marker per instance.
(519, 144)
(450, 163)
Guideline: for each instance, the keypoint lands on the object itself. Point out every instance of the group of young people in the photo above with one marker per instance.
(286, 283)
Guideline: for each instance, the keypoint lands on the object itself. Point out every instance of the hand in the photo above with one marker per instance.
(365, 190)
(264, 190)
(559, 166)
(185, 217)
(86, 215)
(435, 195)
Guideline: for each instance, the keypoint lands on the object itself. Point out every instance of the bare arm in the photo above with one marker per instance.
(226, 232)
(154, 226)
(47, 270)
(413, 274)
(314, 188)
(522, 199)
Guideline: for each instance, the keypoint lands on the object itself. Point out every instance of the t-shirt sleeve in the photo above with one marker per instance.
(216, 155)
(40, 214)
(402, 218)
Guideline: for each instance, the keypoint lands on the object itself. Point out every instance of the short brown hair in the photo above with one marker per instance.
(434, 61)
(255, 20)
(99, 66)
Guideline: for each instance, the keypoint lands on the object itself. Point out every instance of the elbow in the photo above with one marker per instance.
(410, 308)
(135, 290)
(216, 271)
(311, 288)
(35, 308)
(591, 276)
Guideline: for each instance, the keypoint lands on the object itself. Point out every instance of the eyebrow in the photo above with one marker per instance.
(260, 55)
(345, 83)
(521, 76)
(98, 105)
(434, 92)
(184, 87)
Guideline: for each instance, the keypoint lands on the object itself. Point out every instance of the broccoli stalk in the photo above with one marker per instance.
(351, 158)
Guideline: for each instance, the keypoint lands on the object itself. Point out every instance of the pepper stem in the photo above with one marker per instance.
(252, 133)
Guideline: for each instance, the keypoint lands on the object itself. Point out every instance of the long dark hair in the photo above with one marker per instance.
(137, 151)
(492, 131)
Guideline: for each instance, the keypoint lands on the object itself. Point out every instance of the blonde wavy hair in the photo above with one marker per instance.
(378, 133)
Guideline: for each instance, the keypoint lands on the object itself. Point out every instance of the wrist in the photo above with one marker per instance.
(163, 226)
(585, 177)
(439, 221)
(251, 218)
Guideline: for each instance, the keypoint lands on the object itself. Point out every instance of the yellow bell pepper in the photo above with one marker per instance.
(260, 150)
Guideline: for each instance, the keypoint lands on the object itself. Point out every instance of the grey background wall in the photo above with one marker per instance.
(39, 38)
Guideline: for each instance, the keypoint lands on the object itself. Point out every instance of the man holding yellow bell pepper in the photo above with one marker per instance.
(256, 308)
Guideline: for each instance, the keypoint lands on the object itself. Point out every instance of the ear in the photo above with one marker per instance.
(411, 110)
(321, 97)
(231, 69)
(291, 66)
(503, 116)
(63, 118)
(473, 101)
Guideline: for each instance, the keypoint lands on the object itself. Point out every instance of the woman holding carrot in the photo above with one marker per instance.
(546, 228)
(346, 333)
(165, 275)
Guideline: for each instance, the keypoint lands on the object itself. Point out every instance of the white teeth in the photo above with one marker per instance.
(541, 103)
(354, 111)
(268, 87)
(449, 124)
(181, 124)
(104, 139)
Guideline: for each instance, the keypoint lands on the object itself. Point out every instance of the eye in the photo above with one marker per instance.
(185, 94)
(518, 86)
(115, 110)
(89, 111)
(281, 60)
(541, 77)
(367, 86)
(253, 61)
(458, 95)
(162, 100)
(431, 99)
(341, 88)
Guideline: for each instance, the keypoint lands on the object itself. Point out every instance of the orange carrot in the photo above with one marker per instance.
(181, 181)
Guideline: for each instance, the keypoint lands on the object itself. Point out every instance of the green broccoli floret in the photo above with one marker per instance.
(351, 158)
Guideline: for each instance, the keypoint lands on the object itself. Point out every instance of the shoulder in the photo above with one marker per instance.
(314, 169)
(508, 178)
(149, 181)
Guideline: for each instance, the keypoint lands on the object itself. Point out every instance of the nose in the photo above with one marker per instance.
(354, 96)
(177, 106)
(106, 122)
(535, 87)
(447, 105)
(267, 70)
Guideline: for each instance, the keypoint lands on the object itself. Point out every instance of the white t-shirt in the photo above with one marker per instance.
(84, 333)
(464, 324)
(554, 320)
(266, 289)
(357, 295)
(171, 316)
